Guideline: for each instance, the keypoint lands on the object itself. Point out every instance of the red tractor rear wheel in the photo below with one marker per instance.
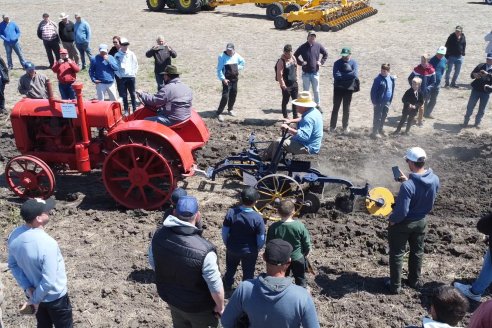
(29, 176)
(138, 176)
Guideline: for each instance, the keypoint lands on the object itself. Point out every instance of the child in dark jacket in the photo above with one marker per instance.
(412, 100)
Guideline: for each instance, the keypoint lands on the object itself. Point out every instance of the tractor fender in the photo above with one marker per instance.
(164, 136)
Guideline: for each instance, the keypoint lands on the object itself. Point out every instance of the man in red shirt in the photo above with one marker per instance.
(66, 71)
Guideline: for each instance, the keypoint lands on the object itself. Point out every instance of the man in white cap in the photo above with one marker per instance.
(407, 223)
(308, 133)
(66, 29)
(439, 63)
(37, 265)
(127, 72)
(102, 72)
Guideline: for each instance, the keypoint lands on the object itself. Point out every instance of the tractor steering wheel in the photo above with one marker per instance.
(139, 96)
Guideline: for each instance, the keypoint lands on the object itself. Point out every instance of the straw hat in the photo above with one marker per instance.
(304, 100)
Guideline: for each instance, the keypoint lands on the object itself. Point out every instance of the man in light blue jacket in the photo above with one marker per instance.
(10, 34)
(82, 38)
(38, 267)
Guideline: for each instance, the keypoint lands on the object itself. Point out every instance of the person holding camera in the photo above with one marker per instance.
(162, 53)
(481, 89)
(66, 71)
(407, 223)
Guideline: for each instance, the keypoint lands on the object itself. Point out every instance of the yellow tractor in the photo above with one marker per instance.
(274, 8)
(326, 15)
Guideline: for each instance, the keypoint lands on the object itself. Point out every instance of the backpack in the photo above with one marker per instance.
(275, 68)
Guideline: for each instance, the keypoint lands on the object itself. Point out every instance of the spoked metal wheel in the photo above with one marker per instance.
(29, 176)
(138, 176)
(275, 188)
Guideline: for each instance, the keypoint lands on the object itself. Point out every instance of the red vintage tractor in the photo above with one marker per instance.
(141, 160)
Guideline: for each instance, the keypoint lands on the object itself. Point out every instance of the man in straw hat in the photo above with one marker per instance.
(173, 102)
(307, 135)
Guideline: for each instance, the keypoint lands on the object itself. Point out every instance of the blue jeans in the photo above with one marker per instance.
(159, 79)
(126, 85)
(475, 96)
(485, 277)
(66, 91)
(456, 62)
(161, 119)
(84, 49)
(309, 79)
(233, 259)
(432, 100)
(18, 50)
(380, 113)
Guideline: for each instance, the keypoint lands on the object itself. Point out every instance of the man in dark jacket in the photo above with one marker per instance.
(173, 102)
(186, 269)
(307, 56)
(4, 79)
(162, 54)
(67, 36)
(48, 32)
(407, 223)
(481, 89)
(455, 51)
(345, 74)
(382, 92)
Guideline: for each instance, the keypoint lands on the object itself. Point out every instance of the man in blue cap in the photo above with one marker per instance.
(33, 84)
(186, 269)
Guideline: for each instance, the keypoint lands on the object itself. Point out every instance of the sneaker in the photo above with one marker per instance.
(220, 118)
(395, 133)
(454, 85)
(232, 113)
(382, 134)
(466, 290)
(375, 136)
(420, 124)
(346, 130)
(126, 113)
(405, 133)
(446, 85)
(332, 130)
(477, 126)
(430, 117)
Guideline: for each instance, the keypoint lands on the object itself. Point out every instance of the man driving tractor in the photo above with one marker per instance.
(307, 136)
(172, 102)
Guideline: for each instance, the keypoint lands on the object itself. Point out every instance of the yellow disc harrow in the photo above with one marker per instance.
(380, 201)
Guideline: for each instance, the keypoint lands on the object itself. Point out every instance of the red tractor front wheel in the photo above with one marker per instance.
(138, 176)
(29, 176)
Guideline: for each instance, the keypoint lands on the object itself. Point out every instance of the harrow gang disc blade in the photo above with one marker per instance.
(380, 194)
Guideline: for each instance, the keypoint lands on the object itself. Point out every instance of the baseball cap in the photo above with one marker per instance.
(34, 207)
(277, 252)
(311, 33)
(459, 28)
(177, 194)
(29, 66)
(63, 51)
(5, 16)
(124, 41)
(230, 46)
(103, 47)
(249, 195)
(187, 206)
(489, 55)
(345, 52)
(416, 154)
(441, 50)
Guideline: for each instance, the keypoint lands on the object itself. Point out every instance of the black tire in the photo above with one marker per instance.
(308, 27)
(273, 10)
(325, 28)
(208, 8)
(317, 28)
(292, 7)
(156, 5)
(281, 23)
(188, 6)
(171, 4)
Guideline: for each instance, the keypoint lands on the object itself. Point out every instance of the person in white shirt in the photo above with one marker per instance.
(127, 72)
